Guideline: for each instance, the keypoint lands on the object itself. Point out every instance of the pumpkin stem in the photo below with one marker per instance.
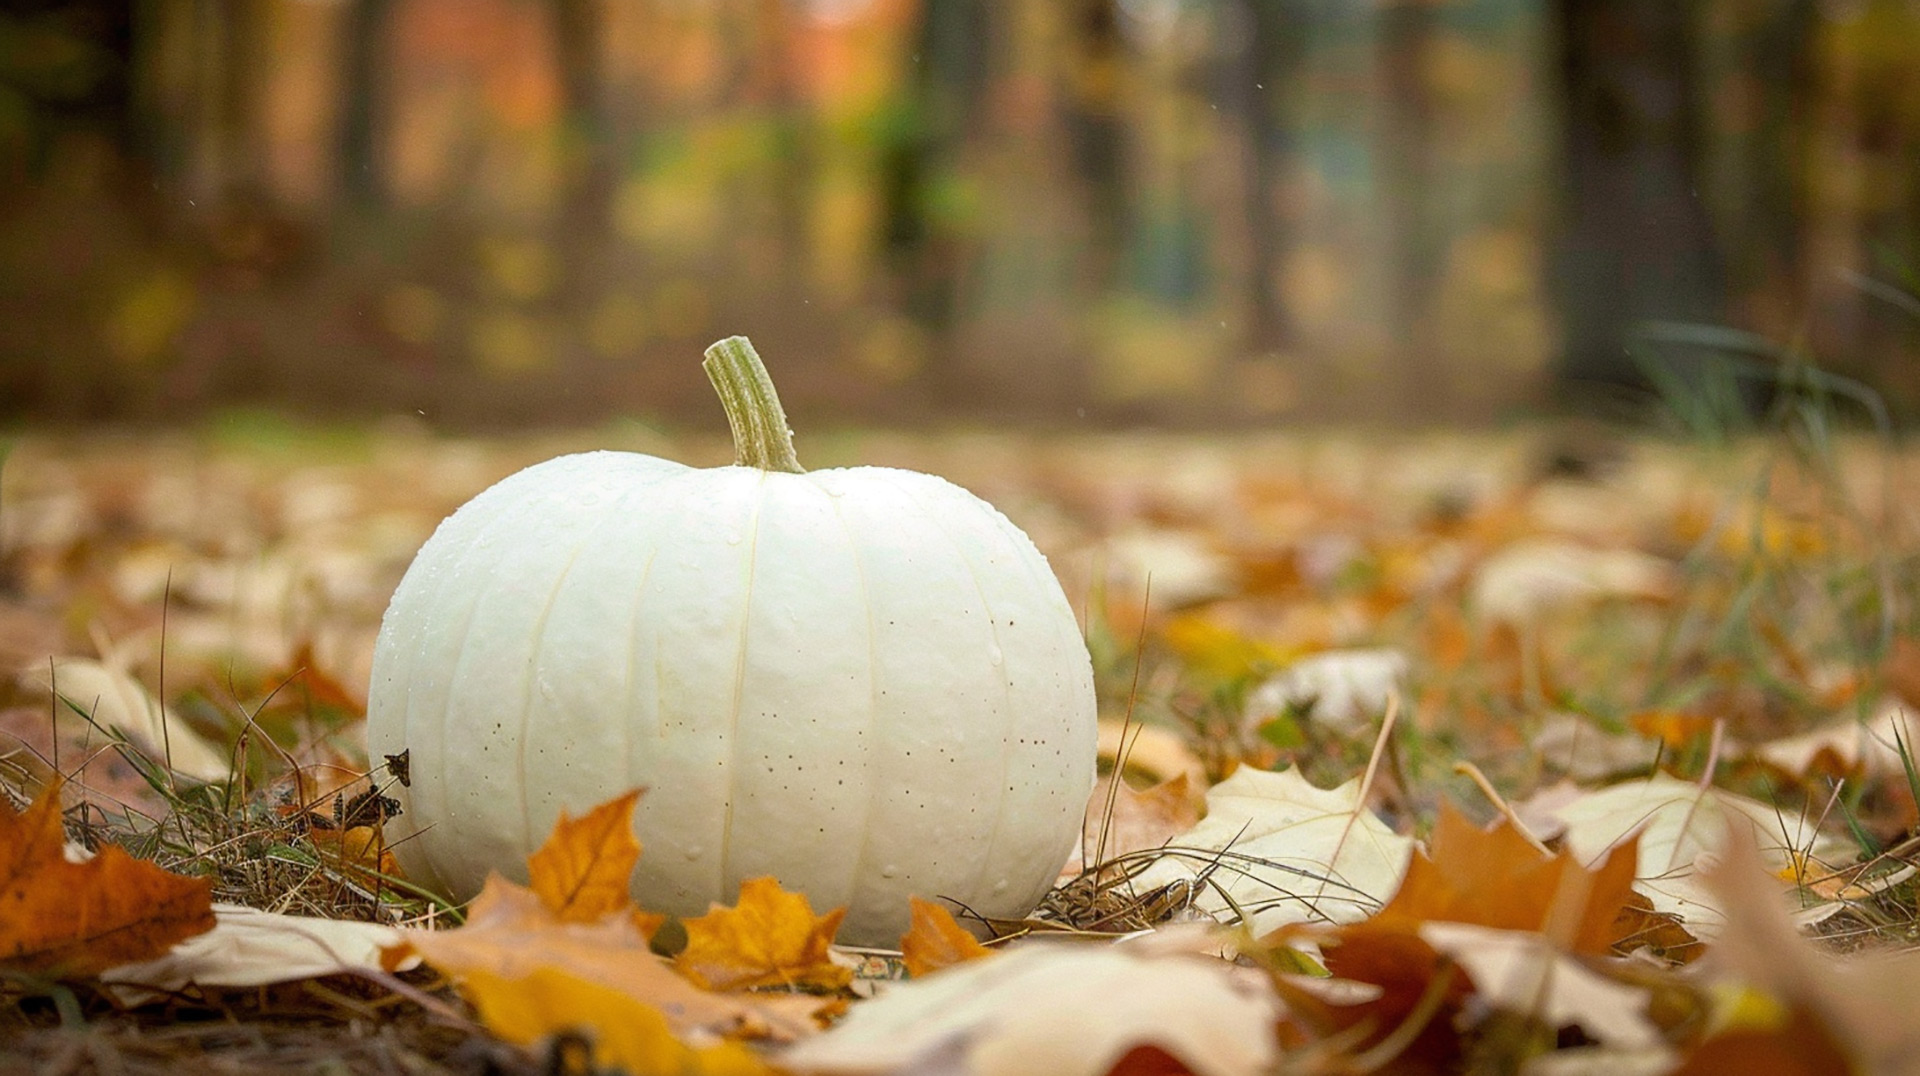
(760, 434)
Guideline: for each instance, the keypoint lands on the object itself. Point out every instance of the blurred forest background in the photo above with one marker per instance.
(539, 211)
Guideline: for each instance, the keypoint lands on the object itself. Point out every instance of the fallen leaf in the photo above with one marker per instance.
(1523, 972)
(1527, 579)
(1676, 729)
(1496, 878)
(1343, 690)
(1285, 852)
(626, 1034)
(67, 920)
(1679, 824)
(249, 947)
(1847, 748)
(1862, 1004)
(510, 933)
(1574, 746)
(1058, 1009)
(1217, 650)
(112, 698)
(1122, 819)
(306, 679)
(770, 938)
(1159, 753)
(1175, 568)
(936, 941)
(583, 869)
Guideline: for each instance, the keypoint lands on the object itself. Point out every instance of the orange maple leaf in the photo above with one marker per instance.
(770, 938)
(1497, 878)
(511, 934)
(935, 940)
(71, 920)
(1492, 878)
(583, 871)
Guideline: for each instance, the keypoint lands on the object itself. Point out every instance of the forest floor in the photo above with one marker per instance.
(1512, 626)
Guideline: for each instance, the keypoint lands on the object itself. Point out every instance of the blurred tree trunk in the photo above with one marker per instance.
(1770, 258)
(1634, 243)
(1097, 133)
(920, 158)
(1407, 178)
(1272, 57)
(795, 162)
(588, 167)
(366, 59)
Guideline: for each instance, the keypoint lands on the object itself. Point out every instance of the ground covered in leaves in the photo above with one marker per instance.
(1517, 752)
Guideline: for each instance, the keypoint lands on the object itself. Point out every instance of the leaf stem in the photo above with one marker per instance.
(760, 435)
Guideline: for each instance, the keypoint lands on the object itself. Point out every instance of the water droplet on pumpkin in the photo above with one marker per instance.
(994, 655)
(1000, 886)
(889, 871)
(695, 852)
(733, 538)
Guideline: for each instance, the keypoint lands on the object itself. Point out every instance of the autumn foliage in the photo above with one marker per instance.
(72, 915)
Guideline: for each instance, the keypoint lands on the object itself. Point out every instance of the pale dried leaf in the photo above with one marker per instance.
(1173, 568)
(1293, 853)
(1057, 1010)
(1521, 972)
(1343, 690)
(114, 699)
(1529, 578)
(1870, 749)
(249, 947)
(1682, 825)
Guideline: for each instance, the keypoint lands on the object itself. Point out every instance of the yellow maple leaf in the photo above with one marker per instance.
(63, 919)
(626, 1033)
(936, 941)
(770, 938)
(583, 870)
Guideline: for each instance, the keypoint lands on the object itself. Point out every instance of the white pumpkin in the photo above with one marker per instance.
(864, 682)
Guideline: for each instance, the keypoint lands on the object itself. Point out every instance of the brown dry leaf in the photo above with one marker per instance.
(1402, 979)
(936, 941)
(1489, 886)
(71, 920)
(1902, 670)
(510, 934)
(626, 1033)
(311, 683)
(770, 938)
(1057, 1009)
(1122, 819)
(583, 870)
(1496, 878)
